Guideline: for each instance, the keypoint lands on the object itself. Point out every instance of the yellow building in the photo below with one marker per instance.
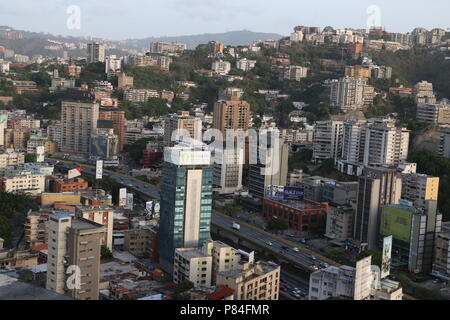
(48, 199)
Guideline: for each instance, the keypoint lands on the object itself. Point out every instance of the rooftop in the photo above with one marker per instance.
(13, 289)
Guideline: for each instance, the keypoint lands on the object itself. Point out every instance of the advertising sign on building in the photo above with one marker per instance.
(40, 154)
(129, 202)
(99, 169)
(74, 173)
(285, 193)
(386, 257)
(122, 197)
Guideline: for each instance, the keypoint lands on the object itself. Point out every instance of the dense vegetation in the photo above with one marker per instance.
(13, 209)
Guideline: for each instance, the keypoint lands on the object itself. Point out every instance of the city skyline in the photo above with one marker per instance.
(197, 16)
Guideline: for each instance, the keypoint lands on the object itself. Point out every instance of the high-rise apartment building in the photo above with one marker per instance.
(423, 93)
(372, 142)
(377, 187)
(186, 199)
(385, 143)
(230, 114)
(102, 215)
(268, 164)
(414, 232)
(435, 113)
(74, 248)
(327, 140)
(418, 188)
(118, 119)
(183, 122)
(347, 94)
(95, 52)
(444, 143)
(78, 123)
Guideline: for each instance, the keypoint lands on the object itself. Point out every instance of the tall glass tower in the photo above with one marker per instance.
(186, 200)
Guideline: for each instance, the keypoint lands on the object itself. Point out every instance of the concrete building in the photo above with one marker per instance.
(372, 142)
(423, 93)
(230, 115)
(119, 120)
(74, 242)
(414, 232)
(441, 262)
(186, 199)
(297, 36)
(194, 265)
(9, 157)
(340, 221)
(140, 95)
(357, 72)
(435, 113)
(95, 52)
(444, 143)
(385, 143)
(78, 123)
(113, 64)
(418, 188)
(221, 67)
(268, 165)
(327, 141)
(377, 187)
(253, 281)
(293, 73)
(354, 283)
(21, 181)
(124, 81)
(245, 64)
(184, 122)
(161, 47)
(102, 215)
(347, 94)
(142, 242)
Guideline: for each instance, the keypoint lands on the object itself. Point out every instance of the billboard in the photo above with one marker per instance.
(285, 193)
(122, 197)
(152, 209)
(129, 202)
(396, 222)
(99, 169)
(386, 257)
(109, 102)
(40, 154)
(74, 173)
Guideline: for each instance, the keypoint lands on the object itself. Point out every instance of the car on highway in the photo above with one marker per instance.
(269, 243)
(314, 267)
(296, 249)
(313, 257)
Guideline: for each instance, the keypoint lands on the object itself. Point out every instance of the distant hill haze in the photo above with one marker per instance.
(233, 38)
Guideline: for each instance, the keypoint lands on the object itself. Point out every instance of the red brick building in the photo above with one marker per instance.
(300, 215)
(70, 185)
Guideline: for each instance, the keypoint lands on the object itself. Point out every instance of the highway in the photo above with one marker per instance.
(308, 259)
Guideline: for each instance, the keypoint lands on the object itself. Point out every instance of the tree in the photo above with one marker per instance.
(184, 286)
(277, 225)
(30, 158)
(105, 252)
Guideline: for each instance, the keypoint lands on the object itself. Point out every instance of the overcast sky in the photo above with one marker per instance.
(125, 19)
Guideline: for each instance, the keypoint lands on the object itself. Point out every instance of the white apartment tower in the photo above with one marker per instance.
(347, 94)
(327, 140)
